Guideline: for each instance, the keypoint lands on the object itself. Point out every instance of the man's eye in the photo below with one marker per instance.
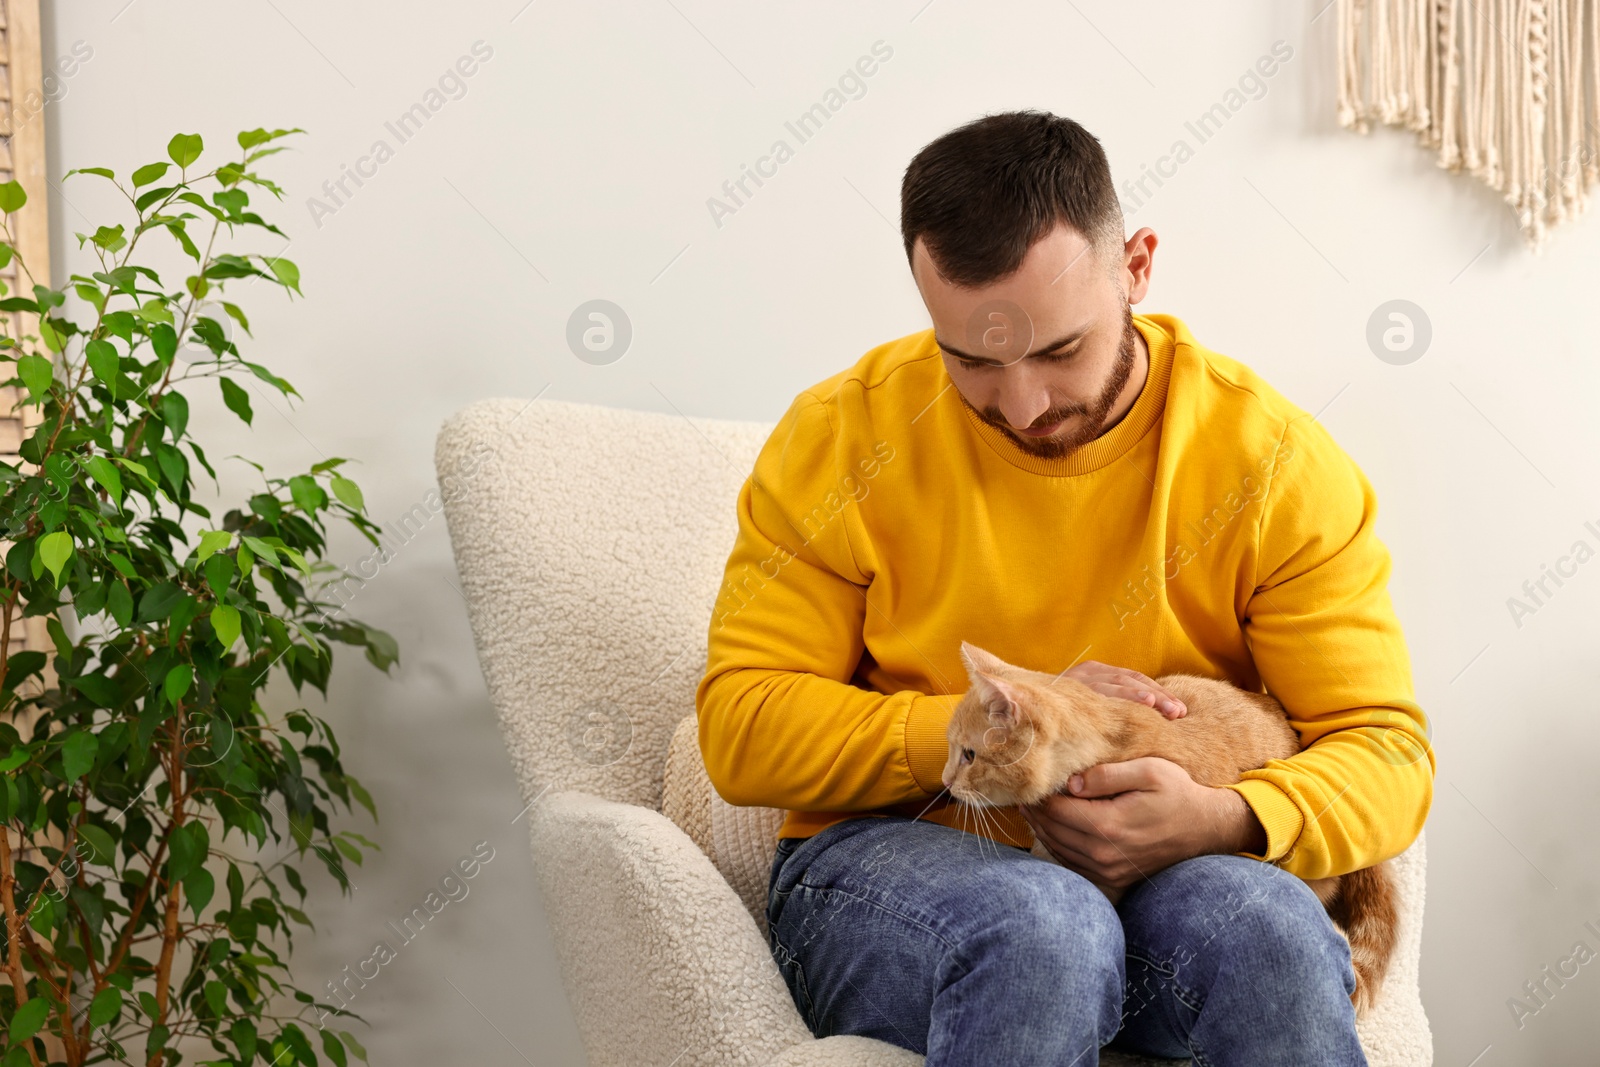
(967, 364)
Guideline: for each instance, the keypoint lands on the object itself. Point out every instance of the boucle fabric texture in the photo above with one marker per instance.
(590, 543)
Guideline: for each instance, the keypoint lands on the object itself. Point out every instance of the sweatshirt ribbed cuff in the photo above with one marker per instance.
(927, 740)
(1279, 816)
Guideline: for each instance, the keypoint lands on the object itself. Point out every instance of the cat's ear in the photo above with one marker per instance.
(976, 659)
(999, 697)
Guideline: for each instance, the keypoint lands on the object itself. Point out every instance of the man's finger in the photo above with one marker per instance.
(1069, 843)
(1145, 690)
(1073, 822)
(1153, 696)
(1105, 779)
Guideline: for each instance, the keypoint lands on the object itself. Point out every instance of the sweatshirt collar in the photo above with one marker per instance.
(1145, 413)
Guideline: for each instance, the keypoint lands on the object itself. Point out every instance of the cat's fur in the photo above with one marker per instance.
(1028, 732)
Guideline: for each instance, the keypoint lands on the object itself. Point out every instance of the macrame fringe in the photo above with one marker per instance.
(1506, 90)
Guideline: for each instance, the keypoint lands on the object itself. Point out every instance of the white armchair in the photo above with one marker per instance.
(591, 543)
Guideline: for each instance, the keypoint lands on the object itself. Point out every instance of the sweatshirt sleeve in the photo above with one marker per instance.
(1327, 644)
(780, 724)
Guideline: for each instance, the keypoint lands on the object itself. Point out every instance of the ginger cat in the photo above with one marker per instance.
(1018, 735)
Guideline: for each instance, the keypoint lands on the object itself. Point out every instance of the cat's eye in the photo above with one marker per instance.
(967, 755)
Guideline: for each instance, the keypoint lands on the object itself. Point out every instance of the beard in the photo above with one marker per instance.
(1093, 424)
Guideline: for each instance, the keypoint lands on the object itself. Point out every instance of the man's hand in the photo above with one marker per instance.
(1125, 821)
(1129, 685)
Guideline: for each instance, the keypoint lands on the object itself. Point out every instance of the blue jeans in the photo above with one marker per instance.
(971, 951)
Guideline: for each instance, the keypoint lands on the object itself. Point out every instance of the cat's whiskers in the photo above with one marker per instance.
(935, 800)
(976, 814)
(986, 821)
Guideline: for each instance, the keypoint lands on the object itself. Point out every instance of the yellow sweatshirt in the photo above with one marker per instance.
(1217, 529)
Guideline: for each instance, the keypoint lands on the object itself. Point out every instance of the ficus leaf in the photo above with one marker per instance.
(103, 362)
(184, 148)
(307, 494)
(43, 919)
(36, 372)
(175, 413)
(105, 474)
(149, 173)
(199, 886)
(12, 197)
(225, 621)
(355, 1046)
(51, 336)
(243, 1035)
(212, 542)
(105, 849)
(105, 1007)
(158, 601)
(334, 1050)
(77, 754)
(164, 339)
(236, 398)
(219, 573)
(31, 1016)
(178, 680)
(120, 603)
(54, 550)
(348, 493)
(186, 850)
(262, 549)
(286, 272)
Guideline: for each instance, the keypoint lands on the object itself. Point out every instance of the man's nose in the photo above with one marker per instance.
(1022, 397)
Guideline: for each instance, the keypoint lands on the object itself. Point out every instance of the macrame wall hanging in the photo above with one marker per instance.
(1505, 90)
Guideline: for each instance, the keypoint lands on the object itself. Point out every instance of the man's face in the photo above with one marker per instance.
(1045, 353)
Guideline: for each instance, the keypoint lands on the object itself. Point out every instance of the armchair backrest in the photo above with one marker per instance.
(591, 543)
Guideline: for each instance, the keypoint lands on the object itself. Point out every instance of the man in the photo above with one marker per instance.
(1067, 486)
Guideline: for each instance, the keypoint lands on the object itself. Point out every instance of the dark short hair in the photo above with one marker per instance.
(982, 194)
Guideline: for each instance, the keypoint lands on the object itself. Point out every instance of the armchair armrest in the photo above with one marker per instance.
(659, 957)
(845, 1051)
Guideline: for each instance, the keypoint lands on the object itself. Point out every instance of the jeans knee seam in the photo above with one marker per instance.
(914, 920)
(785, 960)
(1167, 973)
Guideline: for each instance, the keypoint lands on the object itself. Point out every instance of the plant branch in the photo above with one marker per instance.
(8, 901)
(169, 935)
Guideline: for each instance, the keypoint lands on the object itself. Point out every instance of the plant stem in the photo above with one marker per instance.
(134, 912)
(169, 933)
(8, 901)
(183, 328)
(69, 1034)
(5, 629)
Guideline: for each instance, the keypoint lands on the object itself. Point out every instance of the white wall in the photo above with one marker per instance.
(578, 165)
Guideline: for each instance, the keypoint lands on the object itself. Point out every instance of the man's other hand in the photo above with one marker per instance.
(1129, 685)
(1122, 822)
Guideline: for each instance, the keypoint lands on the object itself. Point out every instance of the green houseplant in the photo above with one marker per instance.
(153, 809)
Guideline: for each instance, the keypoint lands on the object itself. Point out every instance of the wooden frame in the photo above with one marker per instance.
(22, 157)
